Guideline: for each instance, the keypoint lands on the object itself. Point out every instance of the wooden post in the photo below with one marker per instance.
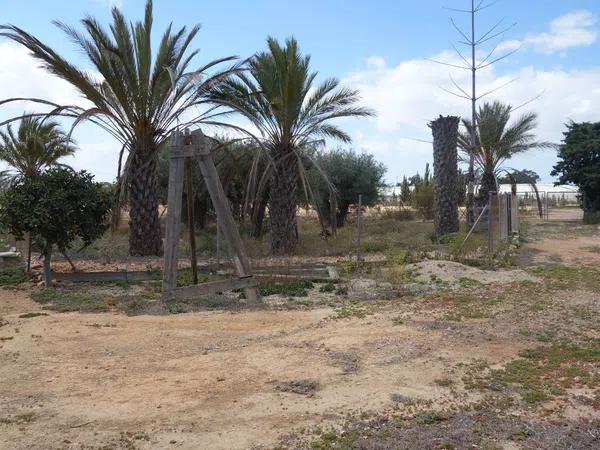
(173, 214)
(190, 213)
(218, 243)
(226, 221)
(358, 228)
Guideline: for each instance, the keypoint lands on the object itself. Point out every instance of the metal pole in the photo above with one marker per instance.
(358, 227)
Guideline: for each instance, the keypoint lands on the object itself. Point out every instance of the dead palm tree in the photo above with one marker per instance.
(281, 99)
(37, 145)
(139, 97)
(497, 140)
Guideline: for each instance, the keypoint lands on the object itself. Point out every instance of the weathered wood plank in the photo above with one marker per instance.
(85, 277)
(187, 292)
(220, 203)
(174, 199)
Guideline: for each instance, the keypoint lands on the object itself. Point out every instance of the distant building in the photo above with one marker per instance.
(563, 191)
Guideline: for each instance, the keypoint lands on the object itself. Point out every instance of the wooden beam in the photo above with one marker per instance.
(210, 288)
(189, 190)
(175, 192)
(221, 205)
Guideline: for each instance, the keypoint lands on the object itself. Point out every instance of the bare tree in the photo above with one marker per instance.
(473, 64)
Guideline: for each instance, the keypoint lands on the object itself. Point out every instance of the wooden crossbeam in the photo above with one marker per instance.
(199, 148)
(188, 292)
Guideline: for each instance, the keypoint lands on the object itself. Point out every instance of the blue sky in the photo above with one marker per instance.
(377, 46)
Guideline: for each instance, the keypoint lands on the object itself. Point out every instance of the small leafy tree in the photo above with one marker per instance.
(351, 174)
(424, 201)
(405, 191)
(56, 207)
(579, 164)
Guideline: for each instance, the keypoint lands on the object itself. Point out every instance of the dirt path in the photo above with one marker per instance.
(211, 380)
(582, 250)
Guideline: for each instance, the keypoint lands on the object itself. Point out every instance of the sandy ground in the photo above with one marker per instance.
(224, 380)
(208, 380)
(584, 250)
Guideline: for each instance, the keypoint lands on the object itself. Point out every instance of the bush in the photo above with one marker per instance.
(56, 207)
(424, 204)
(12, 275)
(591, 218)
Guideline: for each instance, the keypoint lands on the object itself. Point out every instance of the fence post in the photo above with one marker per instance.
(358, 228)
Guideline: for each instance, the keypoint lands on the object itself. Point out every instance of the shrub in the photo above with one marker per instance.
(12, 275)
(56, 207)
(424, 204)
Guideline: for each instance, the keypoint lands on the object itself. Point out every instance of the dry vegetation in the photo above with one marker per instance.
(499, 359)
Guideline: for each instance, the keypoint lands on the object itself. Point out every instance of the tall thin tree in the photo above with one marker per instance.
(473, 64)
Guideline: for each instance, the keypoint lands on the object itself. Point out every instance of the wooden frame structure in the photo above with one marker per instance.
(185, 148)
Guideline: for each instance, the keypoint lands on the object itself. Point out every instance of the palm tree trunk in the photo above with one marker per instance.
(47, 268)
(144, 226)
(282, 205)
(445, 167)
(258, 215)
(488, 184)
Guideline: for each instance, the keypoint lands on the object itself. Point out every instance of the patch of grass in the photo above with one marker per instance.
(185, 278)
(469, 283)
(68, 301)
(561, 277)
(341, 291)
(544, 372)
(466, 305)
(123, 284)
(329, 287)
(352, 309)
(288, 289)
(12, 275)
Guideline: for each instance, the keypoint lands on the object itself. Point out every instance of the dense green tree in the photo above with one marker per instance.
(142, 94)
(579, 164)
(351, 174)
(36, 145)
(498, 139)
(280, 98)
(55, 208)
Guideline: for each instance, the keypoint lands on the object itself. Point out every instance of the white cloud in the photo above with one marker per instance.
(21, 76)
(575, 29)
(406, 97)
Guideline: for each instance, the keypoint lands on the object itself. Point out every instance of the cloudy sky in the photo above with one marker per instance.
(381, 47)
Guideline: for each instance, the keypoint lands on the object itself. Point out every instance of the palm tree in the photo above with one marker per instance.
(37, 145)
(281, 99)
(139, 98)
(497, 141)
(445, 135)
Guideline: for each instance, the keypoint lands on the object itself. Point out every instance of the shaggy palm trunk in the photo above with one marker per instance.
(488, 184)
(282, 205)
(445, 167)
(144, 225)
(258, 215)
